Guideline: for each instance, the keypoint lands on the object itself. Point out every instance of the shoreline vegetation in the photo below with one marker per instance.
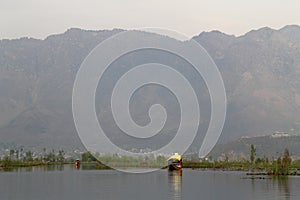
(282, 166)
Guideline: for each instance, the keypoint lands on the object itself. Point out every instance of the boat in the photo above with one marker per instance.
(77, 164)
(175, 162)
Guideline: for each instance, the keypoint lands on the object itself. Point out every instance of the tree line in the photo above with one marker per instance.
(19, 157)
(280, 166)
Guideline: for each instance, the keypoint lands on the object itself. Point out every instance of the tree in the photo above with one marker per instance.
(282, 165)
(61, 156)
(259, 161)
(17, 154)
(28, 156)
(161, 159)
(50, 157)
(252, 153)
(87, 157)
(266, 163)
(278, 166)
(286, 162)
(11, 153)
(6, 161)
(286, 157)
(21, 153)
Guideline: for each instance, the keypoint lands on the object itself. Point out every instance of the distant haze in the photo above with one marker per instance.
(34, 18)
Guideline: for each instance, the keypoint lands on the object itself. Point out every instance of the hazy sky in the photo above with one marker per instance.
(39, 18)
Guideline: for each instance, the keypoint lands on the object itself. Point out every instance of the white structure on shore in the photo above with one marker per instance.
(280, 134)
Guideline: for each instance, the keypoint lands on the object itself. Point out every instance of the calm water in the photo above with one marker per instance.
(65, 183)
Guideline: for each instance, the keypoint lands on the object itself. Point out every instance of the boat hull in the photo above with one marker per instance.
(175, 166)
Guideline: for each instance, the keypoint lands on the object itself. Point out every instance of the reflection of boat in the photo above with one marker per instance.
(175, 162)
(175, 182)
(77, 164)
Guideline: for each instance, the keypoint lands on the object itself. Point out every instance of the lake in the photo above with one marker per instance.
(65, 183)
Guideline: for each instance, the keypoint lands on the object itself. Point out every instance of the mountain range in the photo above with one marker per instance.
(261, 73)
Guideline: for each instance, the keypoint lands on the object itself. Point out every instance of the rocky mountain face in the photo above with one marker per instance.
(261, 72)
(36, 83)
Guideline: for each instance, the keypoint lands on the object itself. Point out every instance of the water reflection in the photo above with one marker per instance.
(175, 182)
(51, 183)
(50, 167)
(283, 187)
(272, 186)
(42, 168)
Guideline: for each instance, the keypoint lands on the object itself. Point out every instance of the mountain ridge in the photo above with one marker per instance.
(261, 71)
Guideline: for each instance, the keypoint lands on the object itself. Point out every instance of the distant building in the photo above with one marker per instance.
(280, 134)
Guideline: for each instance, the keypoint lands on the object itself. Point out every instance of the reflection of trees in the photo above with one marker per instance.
(283, 187)
(272, 186)
(175, 181)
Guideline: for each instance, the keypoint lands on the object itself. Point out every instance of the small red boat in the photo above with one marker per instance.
(77, 164)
